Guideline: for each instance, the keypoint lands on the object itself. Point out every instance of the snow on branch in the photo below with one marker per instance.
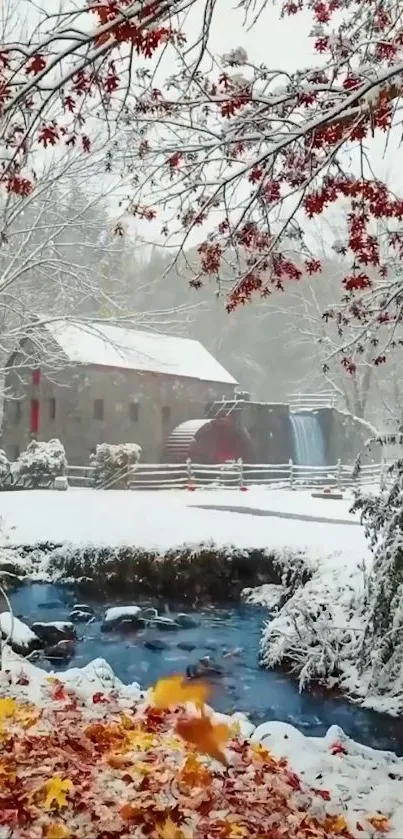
(235, 153)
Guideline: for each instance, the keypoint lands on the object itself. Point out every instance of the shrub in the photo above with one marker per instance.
(113, 465)
(382, 646)
(41, 463)
(5, 467)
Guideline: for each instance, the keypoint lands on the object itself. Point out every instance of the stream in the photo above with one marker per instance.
(261, 694)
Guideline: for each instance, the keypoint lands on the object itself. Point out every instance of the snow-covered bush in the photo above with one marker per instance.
(41, 463)
(4, 467)
(382, 646)
(318, 631)
(113, 466)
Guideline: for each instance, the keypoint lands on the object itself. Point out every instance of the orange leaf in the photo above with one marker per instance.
(380, 823)
(169, 830)
(176, 691)
(118, 761)
(56, 831)
(194, 774)
(129, 812)
(204, 736)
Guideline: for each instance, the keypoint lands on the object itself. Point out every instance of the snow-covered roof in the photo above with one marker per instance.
(131, 349)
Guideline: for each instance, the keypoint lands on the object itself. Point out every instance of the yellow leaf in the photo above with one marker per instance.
(380, 823)
(169, 830)
(127, 722)
(8, 708)
(336, 824)
(173, 744)
(55, 791)
(237, 831)
(138, 739)
(176, 691)
(56, 831)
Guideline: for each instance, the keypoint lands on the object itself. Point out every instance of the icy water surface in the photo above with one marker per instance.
(262, 694)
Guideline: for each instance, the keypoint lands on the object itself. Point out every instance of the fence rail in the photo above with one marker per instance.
(312, 401)
(236, 475)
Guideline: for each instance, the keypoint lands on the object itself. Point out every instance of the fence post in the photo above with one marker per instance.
(189, 469)
(382, 475)
(291, 468)
(240, 474)
(338, 474)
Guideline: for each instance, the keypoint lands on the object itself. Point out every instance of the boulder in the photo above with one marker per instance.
(77, 616)
(62, 651)
(149, 613)
(127, 625)
(186, 621)
(21, 638)
(82, 607)
(186, 645)
(166, 623)
(156, 644)
(54, 631)
(115, 616)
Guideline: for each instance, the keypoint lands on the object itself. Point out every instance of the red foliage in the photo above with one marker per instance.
(35, 64)
(270, 147)
(337, 748)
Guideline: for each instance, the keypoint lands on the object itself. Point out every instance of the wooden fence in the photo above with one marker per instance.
(236, 475)
(312, 401)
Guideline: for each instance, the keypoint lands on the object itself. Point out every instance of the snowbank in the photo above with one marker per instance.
(123, 517)
(347, 780)
(19, 634)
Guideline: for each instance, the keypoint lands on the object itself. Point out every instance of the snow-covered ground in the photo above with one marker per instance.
(361, 784)
(166, 519)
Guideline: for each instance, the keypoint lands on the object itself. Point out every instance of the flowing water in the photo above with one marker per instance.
(309, 444)
(262, 694)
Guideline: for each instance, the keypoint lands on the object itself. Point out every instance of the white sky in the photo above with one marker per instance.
(282, 44)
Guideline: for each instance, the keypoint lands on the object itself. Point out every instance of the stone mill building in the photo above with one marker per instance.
(88, 383)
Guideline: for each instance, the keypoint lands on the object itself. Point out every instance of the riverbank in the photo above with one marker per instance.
(182, 548)
(96, 758)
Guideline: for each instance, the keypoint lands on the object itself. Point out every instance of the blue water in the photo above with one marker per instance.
(309, 444)
(262, 694)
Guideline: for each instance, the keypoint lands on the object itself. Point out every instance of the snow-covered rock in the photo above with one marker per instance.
(52, 632)
(186, 621)
(116, 615)
(165, 623)
(269, 595)
(20, 637)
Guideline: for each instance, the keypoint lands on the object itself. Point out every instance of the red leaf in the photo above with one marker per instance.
(100, 699)
(292, 780)
(36, 65)
(324, 793)
(59, 692)
(338, 749)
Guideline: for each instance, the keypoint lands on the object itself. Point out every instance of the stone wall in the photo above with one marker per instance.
(67, 409)
(269, 428)
(345, 435)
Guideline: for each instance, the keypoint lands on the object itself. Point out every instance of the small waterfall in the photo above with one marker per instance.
(309, 444)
